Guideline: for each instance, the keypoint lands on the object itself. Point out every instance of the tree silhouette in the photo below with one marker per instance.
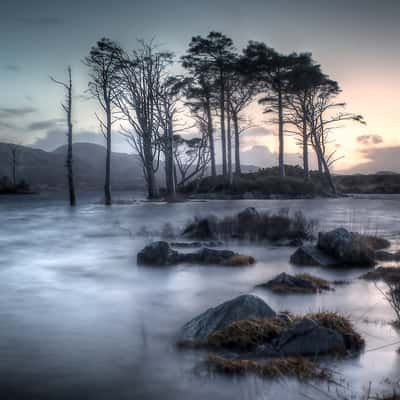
(68, 110)
(104, 64)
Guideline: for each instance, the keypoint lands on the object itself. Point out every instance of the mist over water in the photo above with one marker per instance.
(80, 320)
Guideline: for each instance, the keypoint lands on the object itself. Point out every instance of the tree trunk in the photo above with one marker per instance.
(223, 137)
(148, 160)
(237, 144)
(107, 183)
(280, 135)
(169, 159)
(210, 131)
(305, 151)
(229, 139)
(324, 166)
(70, 172)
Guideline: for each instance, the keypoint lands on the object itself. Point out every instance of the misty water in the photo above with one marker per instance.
(80, 320)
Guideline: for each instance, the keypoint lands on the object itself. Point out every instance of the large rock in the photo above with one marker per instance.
(347, 247)
(161, 253)
(308, 337)
(305, 283)
(158, 253)
(214, 319)
(312, 255)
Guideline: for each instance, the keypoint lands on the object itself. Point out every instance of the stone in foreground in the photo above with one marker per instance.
(214, 319)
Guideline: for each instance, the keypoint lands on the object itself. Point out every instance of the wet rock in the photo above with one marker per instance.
(161, 253)
(308, 337)
(347, 247)
(248, 215)
(217, 318)
(312, 255)
(158, 253)
(382, 255)
(305, 283)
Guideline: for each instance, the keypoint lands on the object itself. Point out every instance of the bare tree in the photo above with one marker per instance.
(192, 157)
(142, 77)
(104, 63)
(67, 107)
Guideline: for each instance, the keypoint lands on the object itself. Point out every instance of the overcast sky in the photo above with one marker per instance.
(356, 42)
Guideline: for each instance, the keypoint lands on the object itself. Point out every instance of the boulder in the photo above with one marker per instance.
(214, 319)
(211, 243)
(248, 215)
(347, 247)
(285, 283)
(158, 253)
(161, 253)
(312, 255)
(307, 337)
(200, 229)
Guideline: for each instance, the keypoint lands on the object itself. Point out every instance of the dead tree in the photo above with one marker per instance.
(14, 162)
(67, 107)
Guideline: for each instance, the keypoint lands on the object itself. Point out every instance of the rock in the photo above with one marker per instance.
(285, 283)
(158, 253)
(382, 255)
(312, 255)
(214, 319)
(347, 247)
(307, 337)
(200, 229)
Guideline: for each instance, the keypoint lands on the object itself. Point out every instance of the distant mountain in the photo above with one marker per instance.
(46, 170)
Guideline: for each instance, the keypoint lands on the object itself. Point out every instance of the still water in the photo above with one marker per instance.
(80, 320)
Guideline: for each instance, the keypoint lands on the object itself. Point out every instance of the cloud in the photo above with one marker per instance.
(44, 125)
(16, 112)
(367, 140)
(262, 156)
(7, 125)
(378, 159)
(43, 21)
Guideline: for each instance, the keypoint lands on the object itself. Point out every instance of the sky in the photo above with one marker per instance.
(356, 42)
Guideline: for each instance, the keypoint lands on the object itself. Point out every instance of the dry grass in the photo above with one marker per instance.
(247, 334)
(298, 367)
(387, 274)
(239, 260)
(335, 321)
(374, 242)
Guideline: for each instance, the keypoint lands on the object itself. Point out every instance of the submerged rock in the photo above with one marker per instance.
(304, 283)
(217, 318)
(312, 255)
(161, 253)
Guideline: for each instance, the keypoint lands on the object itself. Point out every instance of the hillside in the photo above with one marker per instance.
(46, 170)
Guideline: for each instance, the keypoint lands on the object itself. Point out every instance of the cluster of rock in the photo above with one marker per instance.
(301, 283)
(340, 247)
(161, 254)
(247, 317)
